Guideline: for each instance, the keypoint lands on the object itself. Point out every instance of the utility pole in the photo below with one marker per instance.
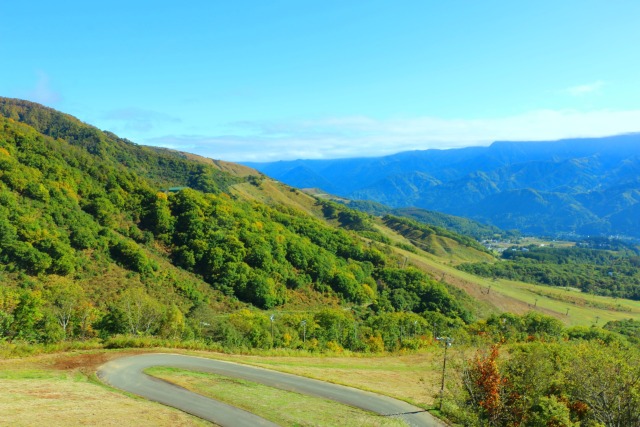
(272, 318)
(304, 331)
(447, 343)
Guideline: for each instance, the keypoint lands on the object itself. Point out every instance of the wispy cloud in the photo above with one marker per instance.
(43, 91)
(364, 136)
(585, 89)
(138, 119)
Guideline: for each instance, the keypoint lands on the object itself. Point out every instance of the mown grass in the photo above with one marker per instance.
(274, 192)
(412, 377)
(32, 374)
(281, 407)
(39, 390)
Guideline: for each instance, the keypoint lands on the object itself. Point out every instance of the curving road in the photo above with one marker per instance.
(127, 374)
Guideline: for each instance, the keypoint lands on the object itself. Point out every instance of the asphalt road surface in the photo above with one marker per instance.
(127, 374)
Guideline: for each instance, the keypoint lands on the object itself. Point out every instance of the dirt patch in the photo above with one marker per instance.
(81, 361)
(87, 363)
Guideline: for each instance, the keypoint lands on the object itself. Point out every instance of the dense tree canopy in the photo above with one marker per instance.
(140, 235)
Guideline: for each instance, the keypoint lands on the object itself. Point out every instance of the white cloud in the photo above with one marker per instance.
(140, 120)
(43, 92)
(363, 136)
(584, 89)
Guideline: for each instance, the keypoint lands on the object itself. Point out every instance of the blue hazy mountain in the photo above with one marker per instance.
(583, 186)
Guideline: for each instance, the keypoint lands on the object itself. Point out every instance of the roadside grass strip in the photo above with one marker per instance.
(279, 406)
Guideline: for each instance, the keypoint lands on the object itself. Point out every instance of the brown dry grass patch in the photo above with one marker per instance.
(81, 361)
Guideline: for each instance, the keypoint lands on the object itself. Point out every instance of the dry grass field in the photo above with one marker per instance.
(414, 378)
(61, 390)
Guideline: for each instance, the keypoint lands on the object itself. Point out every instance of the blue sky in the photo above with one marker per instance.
(269, 80)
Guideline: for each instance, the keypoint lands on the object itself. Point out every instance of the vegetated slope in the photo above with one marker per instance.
(72, 244)
(599, 265)
(407, 234)
(91, 244)
(460, 225)
(597, 177)
(160, 167)
(456, 224)
(438, 241)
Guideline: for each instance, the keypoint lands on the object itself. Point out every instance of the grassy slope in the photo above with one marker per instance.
(519, 297)
(512, 296)
(504, 295)
(234, 169)
(272, 192)
(280, 406)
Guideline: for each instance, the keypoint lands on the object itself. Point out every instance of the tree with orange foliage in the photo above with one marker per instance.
(489, 390)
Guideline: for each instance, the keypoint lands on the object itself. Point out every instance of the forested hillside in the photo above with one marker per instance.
(93, 243)
(107, 244)
(160, 167)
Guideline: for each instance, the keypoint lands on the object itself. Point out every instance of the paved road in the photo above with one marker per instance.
(126, 374)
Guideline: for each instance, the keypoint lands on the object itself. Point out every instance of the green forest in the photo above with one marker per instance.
(94, 246)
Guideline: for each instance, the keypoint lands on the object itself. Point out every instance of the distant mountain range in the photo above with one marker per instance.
(574, 186)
